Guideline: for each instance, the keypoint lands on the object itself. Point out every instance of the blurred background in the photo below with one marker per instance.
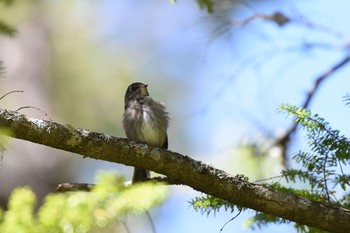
(221, 78)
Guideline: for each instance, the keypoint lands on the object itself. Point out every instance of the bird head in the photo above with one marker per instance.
(136, 91)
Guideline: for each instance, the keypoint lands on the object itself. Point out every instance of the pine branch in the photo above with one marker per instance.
(195, 174)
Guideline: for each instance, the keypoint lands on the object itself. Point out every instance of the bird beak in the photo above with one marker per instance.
(144, 90)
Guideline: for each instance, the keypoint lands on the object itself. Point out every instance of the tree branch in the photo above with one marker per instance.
(64, 187)
(195, 174)
(68, 187)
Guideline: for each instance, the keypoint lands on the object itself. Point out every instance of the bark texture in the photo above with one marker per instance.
(179, 168)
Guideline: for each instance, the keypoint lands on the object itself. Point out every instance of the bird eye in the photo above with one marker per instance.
(132, 88)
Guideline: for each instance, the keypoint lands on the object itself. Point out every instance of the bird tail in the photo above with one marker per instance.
(140, 175)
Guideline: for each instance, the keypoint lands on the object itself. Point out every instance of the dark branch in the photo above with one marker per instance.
(279, 18)
(322, 77)
(180, 168)
(65, 187)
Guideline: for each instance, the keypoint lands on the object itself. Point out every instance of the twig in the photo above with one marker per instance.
(153, 226)
(325, 174)
(270, 178)
(240, 211)
(279, 18)
(10, 93)
(68, 187)
(36, 108)
(125, 226)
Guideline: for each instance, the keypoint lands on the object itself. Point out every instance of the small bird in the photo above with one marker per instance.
(145, 120)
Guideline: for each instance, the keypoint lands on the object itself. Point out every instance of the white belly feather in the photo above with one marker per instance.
(151, 132)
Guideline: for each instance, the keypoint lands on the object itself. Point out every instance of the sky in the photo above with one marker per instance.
(221, 84)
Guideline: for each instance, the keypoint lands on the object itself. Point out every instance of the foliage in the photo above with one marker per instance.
(347, 99)
(99, 209)
(207, 5)
(7, 2)
(210, 204)
(324, 170)
(5, 28)
(4, 142)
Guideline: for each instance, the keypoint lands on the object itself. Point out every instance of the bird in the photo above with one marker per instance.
(145, 120)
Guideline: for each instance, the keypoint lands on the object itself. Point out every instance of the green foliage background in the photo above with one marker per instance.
(5, 28)
(101, 209)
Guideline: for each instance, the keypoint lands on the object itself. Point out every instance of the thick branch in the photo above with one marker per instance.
(195, 174)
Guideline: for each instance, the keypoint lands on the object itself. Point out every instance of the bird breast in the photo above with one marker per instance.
(146, 122)
(151, 129)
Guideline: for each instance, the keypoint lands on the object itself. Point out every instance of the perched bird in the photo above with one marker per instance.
(145, 120)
